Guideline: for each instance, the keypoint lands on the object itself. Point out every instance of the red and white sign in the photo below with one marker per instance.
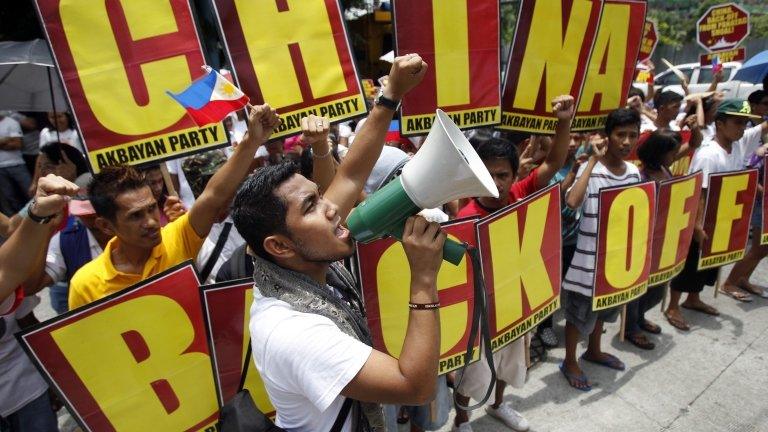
(722, 27)
(738, 54)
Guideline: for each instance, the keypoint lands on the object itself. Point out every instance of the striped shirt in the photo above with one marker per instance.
(581, 273)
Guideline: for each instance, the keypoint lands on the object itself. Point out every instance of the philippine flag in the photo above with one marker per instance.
(716, 65)
(210, 98)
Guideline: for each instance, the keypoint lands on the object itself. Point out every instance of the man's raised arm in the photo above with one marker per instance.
(221, 188)
(31, 238)
(407, 71)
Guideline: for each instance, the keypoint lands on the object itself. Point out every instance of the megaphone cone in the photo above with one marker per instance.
(445, 168)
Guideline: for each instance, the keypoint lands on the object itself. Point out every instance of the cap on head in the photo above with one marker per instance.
(199, 168)
(735, 107)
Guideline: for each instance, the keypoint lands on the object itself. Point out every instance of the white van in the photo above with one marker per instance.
(699, 79)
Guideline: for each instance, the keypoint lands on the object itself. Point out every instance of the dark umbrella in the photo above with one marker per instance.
(28, 78)
(754, 70)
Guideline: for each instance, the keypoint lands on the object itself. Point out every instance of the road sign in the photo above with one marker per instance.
(722, 27)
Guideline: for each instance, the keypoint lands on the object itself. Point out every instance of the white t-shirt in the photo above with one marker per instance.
(647, 125)
(712, 158)
(185, 192)
(581, 273)
(234, 241)
(69, 136)
(10, 128)
(20, 383)
(55, 267)
(305, 361)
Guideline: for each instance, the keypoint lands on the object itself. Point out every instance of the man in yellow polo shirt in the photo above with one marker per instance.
(127, 209)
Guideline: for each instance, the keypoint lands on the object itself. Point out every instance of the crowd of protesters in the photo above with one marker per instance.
(275, 210)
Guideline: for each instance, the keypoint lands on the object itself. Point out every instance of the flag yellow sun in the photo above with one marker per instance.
(228, 89)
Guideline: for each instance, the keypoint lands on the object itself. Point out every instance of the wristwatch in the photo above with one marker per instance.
(386, 102)
(27, 211)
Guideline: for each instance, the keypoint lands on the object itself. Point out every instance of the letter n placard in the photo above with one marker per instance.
(136, 360)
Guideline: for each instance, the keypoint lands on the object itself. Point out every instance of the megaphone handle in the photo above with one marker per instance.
(453, 251)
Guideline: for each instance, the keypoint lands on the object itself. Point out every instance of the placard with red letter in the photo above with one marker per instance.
(460, 40)
(676, 205)
(649, 42)
(612, 62)
(117, 59)
(625, 223)
(552, 43)
(385, 279)
(727, 216)
(521, 249)
(295, 56)
(226, 308)
(135, 360)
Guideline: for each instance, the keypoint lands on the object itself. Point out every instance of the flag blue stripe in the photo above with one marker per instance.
(198, 93)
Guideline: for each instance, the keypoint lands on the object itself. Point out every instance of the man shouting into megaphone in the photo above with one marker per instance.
(310, 340)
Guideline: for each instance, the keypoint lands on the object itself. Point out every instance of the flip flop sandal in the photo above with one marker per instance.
(752, 289)
(677, 323)
(639, 340)
(650, 327)
(575, 380)
(612, 362)
(709, 310)
(737, 295)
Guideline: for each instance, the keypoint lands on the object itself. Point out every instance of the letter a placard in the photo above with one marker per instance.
(521, 247)
(612, 63)
(385, 278)
(117, 59)
(727, 216)
(293, 55)
(135, 360)
(625, 220)
(460, 41)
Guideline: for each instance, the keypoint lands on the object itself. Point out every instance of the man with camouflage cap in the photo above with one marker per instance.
(725, 151)
(126, 209)
(223, 239)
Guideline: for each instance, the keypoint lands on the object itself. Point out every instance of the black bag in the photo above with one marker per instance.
(242, 415)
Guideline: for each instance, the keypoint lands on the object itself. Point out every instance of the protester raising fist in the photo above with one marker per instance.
(31, 238)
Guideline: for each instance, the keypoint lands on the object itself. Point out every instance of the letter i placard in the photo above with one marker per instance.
(136, 360)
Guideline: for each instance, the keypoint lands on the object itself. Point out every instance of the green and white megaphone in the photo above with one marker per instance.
(446, 168)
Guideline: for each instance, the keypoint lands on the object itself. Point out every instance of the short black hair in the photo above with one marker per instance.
(110, 182)
(55, 151)
(258, 211)
(634, 91)
(499, 148)
(756, 96)
(666, 97)
(659, 143)
(622, 117)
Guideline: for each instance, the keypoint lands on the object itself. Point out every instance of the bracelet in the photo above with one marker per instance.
(328, 153)
(424, 306)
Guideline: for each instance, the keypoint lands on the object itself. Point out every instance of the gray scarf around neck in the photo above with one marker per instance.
(307, 295)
